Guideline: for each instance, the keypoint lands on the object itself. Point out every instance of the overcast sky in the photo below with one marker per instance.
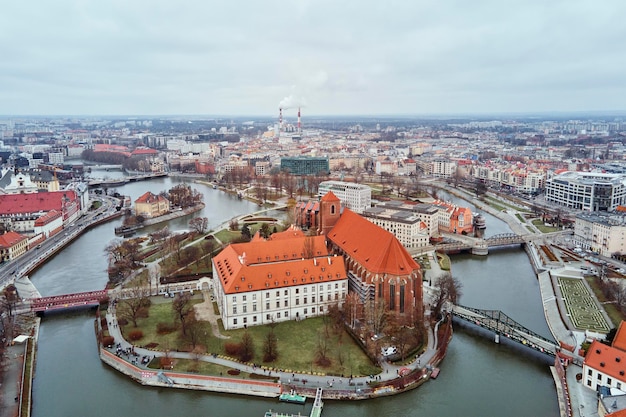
(341, 57)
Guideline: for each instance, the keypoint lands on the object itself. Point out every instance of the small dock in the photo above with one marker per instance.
(318, 404)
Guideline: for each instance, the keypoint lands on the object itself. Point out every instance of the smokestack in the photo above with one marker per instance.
(280, 118)
(299, 119)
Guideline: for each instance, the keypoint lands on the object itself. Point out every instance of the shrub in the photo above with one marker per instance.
(135, 335)
(108, 341)
(232, 349)
(104, 323)
(165, 328)
(122, 321)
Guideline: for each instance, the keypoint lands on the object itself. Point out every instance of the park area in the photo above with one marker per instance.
(314, 345)
(581, 306)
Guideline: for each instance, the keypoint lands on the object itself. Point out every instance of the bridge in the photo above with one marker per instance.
(125, 180)
(481, 246)
(502, 325)
(61, 302)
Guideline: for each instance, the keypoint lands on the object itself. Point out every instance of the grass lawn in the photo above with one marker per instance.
(226, 236)
(543, 228)
(444, 261)
(297, 343)
(613, 313)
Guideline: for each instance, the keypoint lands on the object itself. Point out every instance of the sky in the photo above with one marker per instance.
(339, 57)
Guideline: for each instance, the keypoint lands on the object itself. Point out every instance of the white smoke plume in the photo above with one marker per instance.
(292, 101)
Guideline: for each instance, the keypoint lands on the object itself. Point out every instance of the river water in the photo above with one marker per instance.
(478, 377)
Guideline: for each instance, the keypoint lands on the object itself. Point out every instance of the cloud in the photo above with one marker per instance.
(349, 57)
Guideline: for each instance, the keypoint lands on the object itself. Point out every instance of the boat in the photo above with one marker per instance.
(292, 397)
(435, 373)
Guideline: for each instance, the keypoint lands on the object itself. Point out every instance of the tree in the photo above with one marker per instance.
(196, 332)
(270, 346)
(233, 225)
(322, 348)
(245, 233)
(133, 304)
(265, 230)
(247, 347)
(199, 224)
(183, 309)
(480, 188)
(447, 288)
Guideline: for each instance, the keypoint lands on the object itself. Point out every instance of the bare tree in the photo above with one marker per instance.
(247, 347)
(447, 288)
(132, 305)
(183, 309)
(199, 224)
(270, 346)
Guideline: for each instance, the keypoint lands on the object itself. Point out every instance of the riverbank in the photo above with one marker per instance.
(124, 230)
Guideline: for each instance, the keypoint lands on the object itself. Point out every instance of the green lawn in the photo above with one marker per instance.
(226, 236)
(297, 343)
(543, 228)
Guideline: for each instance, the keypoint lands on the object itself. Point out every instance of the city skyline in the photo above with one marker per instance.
(353, 58)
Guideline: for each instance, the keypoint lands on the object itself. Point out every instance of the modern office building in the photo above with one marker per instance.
(589, 191)
(356, 197)
(305, 165)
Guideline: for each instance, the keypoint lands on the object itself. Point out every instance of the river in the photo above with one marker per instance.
(478, 377)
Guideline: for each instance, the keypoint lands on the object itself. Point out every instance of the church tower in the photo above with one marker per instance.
(330, 211)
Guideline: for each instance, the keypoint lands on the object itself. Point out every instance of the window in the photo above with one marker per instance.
(254, 319)
(306, 311)
(328, 287)
(286, 303)
(277, 293)
(336, 286)
(336, 297)
(608, 381)
(277, 315)
(235, 322)
(313, 288)
(599, 376)
(286, 314)
(321, 309)
(234, 309)
(588, 383)
(277, 304)
(321, 298)
(244, 298)
(245, 320)
(267, 317)
(245, 308)
(253, 297)
(234, 298)
(267, 305)
(267, 295)
(254, 307)
(618, 385)
(304, 290)
(286, 292)
(312, 310)
(589, 372)
(297, 291)
(297, 301)
(304, 300)
(312, 298)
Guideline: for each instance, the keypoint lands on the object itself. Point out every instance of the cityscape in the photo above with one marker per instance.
(426, 190)
(312, 208)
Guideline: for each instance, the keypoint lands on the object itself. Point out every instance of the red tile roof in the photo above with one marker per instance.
(607, 359)
(150, 198)
(10, 239)
(258, 265)
(34, 203)
(619, 341)
(371, 246)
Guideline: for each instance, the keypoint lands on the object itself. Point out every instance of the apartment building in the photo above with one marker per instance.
(601, 232)
(356, 197)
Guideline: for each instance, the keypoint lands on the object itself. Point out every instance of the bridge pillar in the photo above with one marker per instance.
(497, 339)
(480, 248)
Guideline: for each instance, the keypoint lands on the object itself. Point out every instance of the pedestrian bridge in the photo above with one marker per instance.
(61, 302)
(502, 325)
